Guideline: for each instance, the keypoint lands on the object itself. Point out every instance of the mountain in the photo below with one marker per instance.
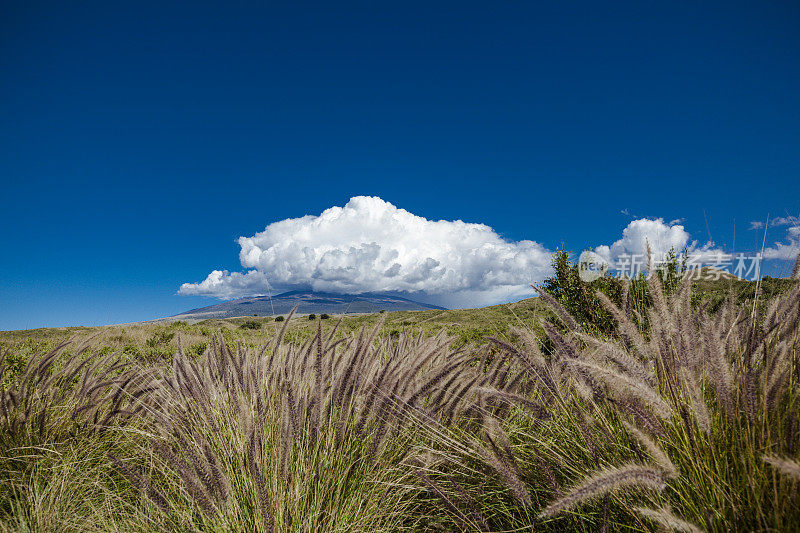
(309, 302)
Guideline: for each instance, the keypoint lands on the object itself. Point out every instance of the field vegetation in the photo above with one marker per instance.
(657, 403)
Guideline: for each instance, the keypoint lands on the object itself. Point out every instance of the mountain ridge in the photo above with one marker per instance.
(307, 302)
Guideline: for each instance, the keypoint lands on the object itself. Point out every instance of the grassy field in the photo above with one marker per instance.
(158, 341)
(685, 418)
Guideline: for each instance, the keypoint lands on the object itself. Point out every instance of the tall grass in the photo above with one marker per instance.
(702, 398)
(682, 419)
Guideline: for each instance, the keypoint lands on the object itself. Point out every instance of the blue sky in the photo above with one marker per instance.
(139, 142)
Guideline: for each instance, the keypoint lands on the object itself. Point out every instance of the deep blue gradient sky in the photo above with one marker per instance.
(138, 142)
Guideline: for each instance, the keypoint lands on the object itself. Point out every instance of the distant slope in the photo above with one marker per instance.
(309, 302)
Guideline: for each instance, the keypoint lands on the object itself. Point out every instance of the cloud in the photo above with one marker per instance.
(228, 285)
(666, 236)
(662, 237)
(787, 250)
(788, 220)
(371, 245)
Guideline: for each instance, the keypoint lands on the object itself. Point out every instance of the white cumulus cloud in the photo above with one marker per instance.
(662, 237)
(371, 245)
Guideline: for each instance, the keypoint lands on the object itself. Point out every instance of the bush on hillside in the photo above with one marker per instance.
(580, 298)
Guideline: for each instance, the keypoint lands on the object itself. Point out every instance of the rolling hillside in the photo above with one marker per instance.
(307, 302)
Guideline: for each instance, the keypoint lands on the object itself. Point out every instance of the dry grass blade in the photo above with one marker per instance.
(505, 472)
(194, 486)
(627, 328)
(667, 519)
(655, 451)
(460, 515)
(141, 483)
(265, 505)
(796, 268)
(624, 385)
(787, 466)
(539, 411)
(657, 293)
(562, 313)
(607, 481)
(699, 406)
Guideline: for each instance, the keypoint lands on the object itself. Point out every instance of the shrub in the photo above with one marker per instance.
(324, 316)
(580, 299)
(312, 316)
(159, 338)
(197, 349)
(132, 350)
(279, 318)
(250, 324)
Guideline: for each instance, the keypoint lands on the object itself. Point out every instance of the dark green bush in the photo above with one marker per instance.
(197, 349)
(159, 338)
(132, 350)
(279, 318)
(312, 316)
(580, 299)
(324, 316)
(251, 324)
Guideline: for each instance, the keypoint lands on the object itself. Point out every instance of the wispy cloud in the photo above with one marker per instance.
(786, 249)
(785, 221)
(788, 220)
